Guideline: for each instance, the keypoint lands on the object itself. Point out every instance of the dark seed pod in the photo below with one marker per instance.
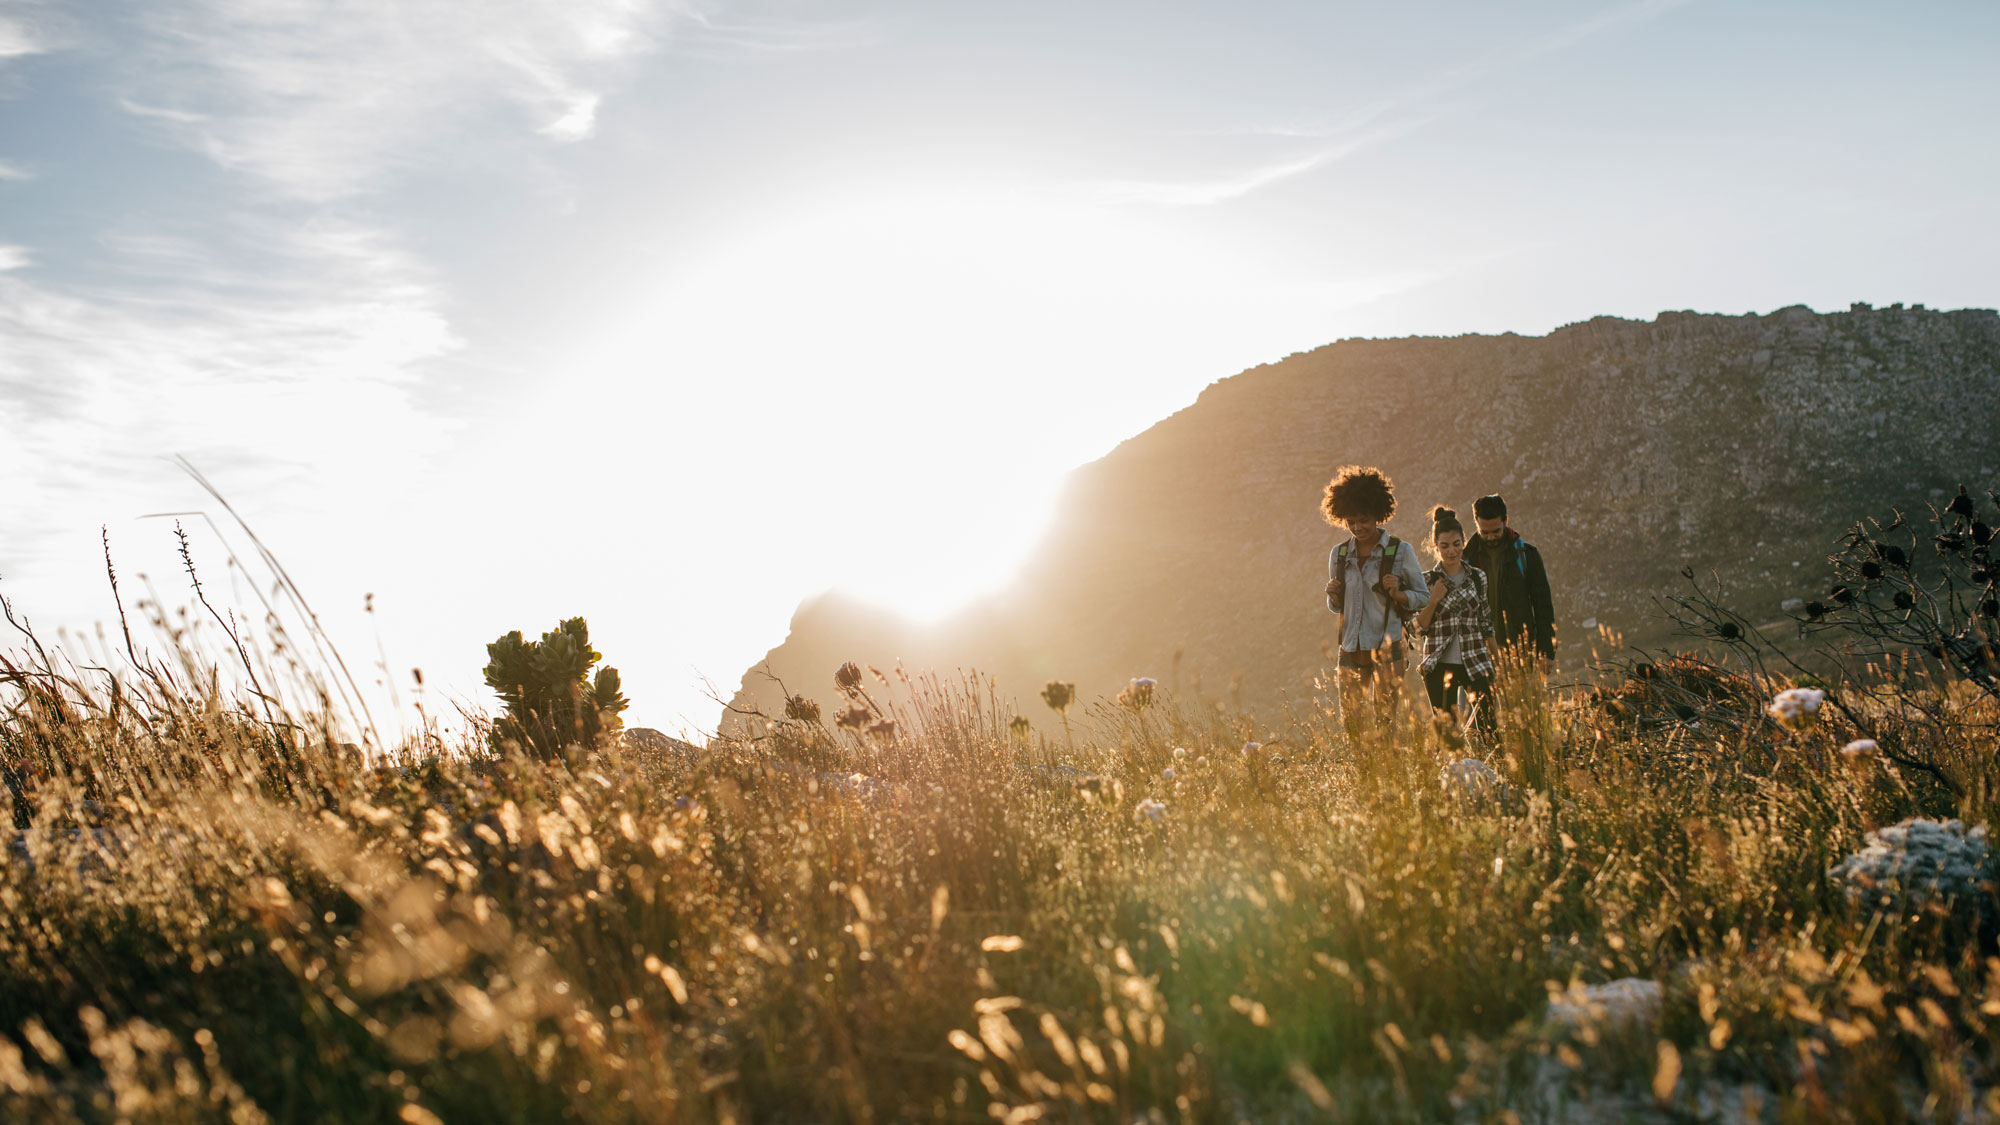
(1683, 711)
(1729, 630)
(1981, 534)
(1903, 599)
(1894, 556)
(1951, 543)
(1961, 504)
(1935, 649)
(1989, 608)
(1871, 570)
(1841, 594)
(1815, 610)
(1643, 671)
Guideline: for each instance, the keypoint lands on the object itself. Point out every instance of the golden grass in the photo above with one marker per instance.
(212, 912)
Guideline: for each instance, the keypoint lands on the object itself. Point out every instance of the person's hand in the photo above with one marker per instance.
(1332, 587)
(1390, 584)
(1438, 589)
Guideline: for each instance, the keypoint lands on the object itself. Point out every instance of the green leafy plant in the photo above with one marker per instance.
(553, 701)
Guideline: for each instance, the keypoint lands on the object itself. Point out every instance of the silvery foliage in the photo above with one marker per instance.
(1628, 1001)
(1469, 779)
(1917, 861)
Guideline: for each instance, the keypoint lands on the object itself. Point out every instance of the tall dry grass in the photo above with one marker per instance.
(212, 910)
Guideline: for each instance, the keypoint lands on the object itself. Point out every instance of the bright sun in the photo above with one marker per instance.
(921, 373)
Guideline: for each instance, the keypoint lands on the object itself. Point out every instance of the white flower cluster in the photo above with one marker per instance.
(1150, 809)
(1916, 861)
(1796, 708)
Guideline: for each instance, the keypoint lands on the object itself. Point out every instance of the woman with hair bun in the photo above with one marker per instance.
(1455, 623)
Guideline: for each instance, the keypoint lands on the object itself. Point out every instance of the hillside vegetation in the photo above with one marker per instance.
(1639, 906)
(1626, 450)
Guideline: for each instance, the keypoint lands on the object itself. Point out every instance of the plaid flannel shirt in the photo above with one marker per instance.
(1462, 615)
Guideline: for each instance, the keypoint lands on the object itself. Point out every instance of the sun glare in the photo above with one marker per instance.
(917, 374)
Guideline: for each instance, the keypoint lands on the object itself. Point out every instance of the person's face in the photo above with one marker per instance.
(1364, 531)
(1491, 530)
(1451, 546)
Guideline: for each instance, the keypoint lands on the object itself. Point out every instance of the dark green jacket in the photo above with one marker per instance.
(1522, 607)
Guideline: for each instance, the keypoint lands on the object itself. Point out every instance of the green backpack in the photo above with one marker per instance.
(1389, 546)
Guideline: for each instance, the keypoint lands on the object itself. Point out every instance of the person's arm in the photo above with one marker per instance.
(1544, 634)
(1333, 585)
(1437, 601)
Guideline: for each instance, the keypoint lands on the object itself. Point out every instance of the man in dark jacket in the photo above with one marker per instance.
(1523, 612)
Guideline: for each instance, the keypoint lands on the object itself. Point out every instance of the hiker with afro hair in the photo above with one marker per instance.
(1375, 584)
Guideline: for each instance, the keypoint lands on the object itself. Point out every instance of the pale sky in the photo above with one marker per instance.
(671, 314)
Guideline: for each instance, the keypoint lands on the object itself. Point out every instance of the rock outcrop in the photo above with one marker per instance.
(1626, 450)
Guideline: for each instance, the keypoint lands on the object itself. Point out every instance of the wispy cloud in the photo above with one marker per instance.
(1205, 192)
(21, 34)
(1342, 134)
(320, 98)
(13, 257)
(705, 34)
(305, 367)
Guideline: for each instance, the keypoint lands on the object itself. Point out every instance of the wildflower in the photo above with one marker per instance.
(854, 718)
(1251, 748)
(1167, 773)
(1020, 727)
(847, 677)
(1180, 752)
(1860, 750)
(1150, 809)
(1918, 861)
(1139, 695)
(1796, 708)
(1058, 695)
(800, 708)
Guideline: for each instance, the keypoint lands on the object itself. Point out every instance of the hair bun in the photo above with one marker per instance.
(1442, 514)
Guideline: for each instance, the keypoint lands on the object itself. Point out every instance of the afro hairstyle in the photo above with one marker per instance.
(1356, 493)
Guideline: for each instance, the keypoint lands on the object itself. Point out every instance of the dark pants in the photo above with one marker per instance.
(1452, 690)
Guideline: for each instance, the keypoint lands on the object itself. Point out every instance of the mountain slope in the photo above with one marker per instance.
(1626, 451)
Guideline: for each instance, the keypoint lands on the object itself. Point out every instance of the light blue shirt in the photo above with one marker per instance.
(1365, 617)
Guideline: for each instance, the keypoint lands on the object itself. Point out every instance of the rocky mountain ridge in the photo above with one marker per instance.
(1626, 450)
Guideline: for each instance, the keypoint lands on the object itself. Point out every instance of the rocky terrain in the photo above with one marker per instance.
(1194, 552)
